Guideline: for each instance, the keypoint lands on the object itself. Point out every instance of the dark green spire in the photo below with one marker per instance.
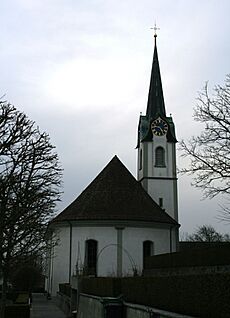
(156, 105)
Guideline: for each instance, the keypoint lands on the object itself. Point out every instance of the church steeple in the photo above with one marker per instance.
(156, 145)
(156, 105)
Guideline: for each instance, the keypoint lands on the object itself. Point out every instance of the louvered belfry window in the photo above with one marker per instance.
(160, 157)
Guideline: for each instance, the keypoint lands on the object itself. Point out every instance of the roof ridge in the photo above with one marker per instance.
(114, 194)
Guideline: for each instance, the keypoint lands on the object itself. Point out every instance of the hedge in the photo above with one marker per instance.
(17, 311)
(195, 295)
(210, 256)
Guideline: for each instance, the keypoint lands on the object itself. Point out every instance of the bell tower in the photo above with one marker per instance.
(156, 164)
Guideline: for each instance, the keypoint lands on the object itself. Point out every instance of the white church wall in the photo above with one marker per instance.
(106, 238)
(159, 185)
(166, 191)
(60, 261)
(133, 239)
(132, 249)
(168, 170)
(175, 239)
(107, 250)
(140, 161)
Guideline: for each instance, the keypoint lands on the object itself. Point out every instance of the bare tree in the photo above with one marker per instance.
(209, 153)
(207, 233)
(30, 179)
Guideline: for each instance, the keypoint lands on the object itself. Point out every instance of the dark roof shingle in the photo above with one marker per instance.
(114, 195)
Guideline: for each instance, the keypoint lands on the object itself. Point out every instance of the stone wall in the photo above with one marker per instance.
(90, 306)
(192, 270)
(98, 307)
(138, 311)
(63, 302)
(195, 295)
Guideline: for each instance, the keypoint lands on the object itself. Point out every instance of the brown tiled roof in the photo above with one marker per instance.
(114, 195)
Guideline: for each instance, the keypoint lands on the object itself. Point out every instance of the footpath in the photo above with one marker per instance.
(44, 308)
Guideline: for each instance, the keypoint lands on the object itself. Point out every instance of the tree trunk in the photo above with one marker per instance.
(4, 296)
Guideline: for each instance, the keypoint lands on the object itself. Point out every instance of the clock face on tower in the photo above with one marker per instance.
(159, 127)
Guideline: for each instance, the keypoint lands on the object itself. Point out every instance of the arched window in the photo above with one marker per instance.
(148, 250)
(160, 157)
(91, 257)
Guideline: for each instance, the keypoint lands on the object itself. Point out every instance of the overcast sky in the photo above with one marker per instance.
(81, 70)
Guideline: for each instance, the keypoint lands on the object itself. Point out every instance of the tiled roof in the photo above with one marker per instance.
(114, 195)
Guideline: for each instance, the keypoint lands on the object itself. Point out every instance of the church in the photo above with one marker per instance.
(117, 221)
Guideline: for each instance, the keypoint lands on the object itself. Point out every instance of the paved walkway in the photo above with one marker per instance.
(43, 308)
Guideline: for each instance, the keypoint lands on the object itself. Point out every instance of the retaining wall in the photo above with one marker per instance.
(90, 306)
(98, 307)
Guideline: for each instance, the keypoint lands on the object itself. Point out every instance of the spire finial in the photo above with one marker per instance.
(155, 28)
(155, 104)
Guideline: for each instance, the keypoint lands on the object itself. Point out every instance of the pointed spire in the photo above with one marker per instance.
(156, 105)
